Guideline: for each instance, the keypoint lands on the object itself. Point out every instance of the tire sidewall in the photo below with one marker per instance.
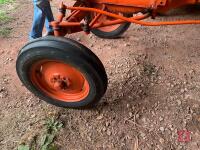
(78, 61)
(113, 34)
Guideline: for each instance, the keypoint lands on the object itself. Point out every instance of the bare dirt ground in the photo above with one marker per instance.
(153, 92)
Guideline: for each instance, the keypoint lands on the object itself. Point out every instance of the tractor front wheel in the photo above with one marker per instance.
(62, 72)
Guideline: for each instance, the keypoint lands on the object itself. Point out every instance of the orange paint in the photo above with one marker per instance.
(133, 20)
(59, 81)
(105, 12)
(132, 3)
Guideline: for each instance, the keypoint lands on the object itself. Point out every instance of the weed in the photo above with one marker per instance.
(6, 1)
(52, 127)
(23, 147)
(150, 69)
(4, 18)
(4, 32)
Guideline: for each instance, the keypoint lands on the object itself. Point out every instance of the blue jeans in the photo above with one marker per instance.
(42, 15)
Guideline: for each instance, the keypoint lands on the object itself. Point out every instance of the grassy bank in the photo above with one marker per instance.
(6, 1)
(4, 18)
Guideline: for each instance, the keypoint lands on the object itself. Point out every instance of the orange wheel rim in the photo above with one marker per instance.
(59, 81)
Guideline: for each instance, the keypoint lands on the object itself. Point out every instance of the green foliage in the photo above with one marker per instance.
(47, 142)
(4, 18)
(23, 147)
(52, 127)
(6, 1)
(4, 32)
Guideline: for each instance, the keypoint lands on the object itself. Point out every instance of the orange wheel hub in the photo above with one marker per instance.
(59, 81)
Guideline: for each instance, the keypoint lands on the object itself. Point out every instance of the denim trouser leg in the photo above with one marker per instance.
(47, 25)
(39, 20)
(44, 5)
(38, 23)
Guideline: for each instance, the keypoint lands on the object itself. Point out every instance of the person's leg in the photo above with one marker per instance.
(44, 5)
(38, 22)
(49, 18)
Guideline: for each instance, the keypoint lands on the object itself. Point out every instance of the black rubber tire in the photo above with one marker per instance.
(69, 52)
(113, 34)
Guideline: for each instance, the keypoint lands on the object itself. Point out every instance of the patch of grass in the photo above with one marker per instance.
(6, 1)
(46, 141)
(5, 32)
(4, 18)
(23, 147)
(52, 127)
(149, 69)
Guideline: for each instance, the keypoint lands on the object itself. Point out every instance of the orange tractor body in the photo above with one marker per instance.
(95, 9)
(65, 73)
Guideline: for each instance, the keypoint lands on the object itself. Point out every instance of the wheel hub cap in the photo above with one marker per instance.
(59, 81)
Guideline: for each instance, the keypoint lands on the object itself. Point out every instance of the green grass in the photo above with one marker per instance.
(52, 128)
(5, 32)
(6, 1)
(23, 147)
(4, 18)
(46, 142)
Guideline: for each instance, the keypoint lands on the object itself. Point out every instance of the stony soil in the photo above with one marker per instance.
(153, 92)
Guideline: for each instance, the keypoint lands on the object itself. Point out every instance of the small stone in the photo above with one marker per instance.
(127, 45)
(152, 84)
(187, 96)
(153, 113)
(159, 147)
(171, 127)
(161, 140)
(142, 134)
(90, 36)
(107, 124)
(137, 116)
(104, 129)
(2, 89)
(161, 118)
(1, 95)
(172, 85)
(78, 39)
(100, 117)
(179, 102)
(182, 91)
(33, 116)
(89, 138)
(128, 105)
(109, 132)
(130, 114)
(162, 129)
(191, 71)
(144, 120)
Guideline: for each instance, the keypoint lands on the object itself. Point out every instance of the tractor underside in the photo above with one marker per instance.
(87, 15)
(64, 72)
